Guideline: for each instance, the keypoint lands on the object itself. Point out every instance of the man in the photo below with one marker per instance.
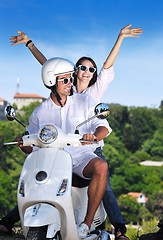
(67, 112)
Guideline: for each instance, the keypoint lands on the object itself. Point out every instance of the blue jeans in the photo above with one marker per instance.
(109, 200)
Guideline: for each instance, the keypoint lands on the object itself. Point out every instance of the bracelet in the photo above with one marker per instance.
(28, 43)
(31, 46)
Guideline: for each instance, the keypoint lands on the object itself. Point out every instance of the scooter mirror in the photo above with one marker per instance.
(102, 110)
(10, 113)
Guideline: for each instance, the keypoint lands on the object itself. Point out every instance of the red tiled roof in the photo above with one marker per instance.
(26, 95)
(1, 99)
(136, 195)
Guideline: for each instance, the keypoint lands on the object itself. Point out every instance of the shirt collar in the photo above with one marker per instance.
(51, 104)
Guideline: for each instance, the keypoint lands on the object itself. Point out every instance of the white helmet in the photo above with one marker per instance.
(53, 68)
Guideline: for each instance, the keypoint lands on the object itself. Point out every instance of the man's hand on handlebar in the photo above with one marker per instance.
(89, 137)
(26, 149)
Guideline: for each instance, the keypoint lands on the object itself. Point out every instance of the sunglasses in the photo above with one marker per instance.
(66, 80)
(84, 68)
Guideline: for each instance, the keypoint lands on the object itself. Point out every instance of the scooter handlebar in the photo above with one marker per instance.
(87, 141)
(12, 143)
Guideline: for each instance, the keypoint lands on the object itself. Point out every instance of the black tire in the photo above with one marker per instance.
(36, 233)
(58, 236)
(39, 233)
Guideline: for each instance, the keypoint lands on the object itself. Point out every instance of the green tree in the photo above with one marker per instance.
(129, 209)
(142, 125)
(118, 118)
(149, 226)
(3, 164)
(8, 199)
(154, 146)
(158, 204)
(139, 156)
(25, 112)
(114, 152)
(144, 214)
(152, 180)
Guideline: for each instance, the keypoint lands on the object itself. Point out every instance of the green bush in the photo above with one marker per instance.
(149, 226)
(132, 233)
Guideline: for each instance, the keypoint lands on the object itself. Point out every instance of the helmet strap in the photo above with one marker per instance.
(54, 90)
(71, 91)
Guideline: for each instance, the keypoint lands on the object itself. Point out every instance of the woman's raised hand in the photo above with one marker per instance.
(130, 32)
(22, 38)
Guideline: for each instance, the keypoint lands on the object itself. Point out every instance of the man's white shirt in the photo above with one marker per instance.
(77, 109)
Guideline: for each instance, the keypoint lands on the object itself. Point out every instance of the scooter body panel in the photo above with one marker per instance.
(42, 215)
(49, 160)
(80, 202)
(43, 174)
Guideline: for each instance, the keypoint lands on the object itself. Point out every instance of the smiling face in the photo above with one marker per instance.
(85, 76)
(64, 89)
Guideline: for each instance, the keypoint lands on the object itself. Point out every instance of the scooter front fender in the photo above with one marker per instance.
(43, 214)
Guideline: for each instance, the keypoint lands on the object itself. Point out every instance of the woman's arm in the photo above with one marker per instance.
(125, 32)
(23, 38)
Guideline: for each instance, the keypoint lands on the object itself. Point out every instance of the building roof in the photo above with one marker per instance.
(152, 163)
(1, 99)
(136, 195)
(26, 95)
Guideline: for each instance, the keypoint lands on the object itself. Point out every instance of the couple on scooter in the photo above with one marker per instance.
(83, 79)
(65, 111)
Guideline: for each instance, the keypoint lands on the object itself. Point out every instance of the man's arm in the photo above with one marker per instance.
(100, 133)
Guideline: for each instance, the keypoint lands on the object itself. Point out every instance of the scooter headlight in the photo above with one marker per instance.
(47, 134)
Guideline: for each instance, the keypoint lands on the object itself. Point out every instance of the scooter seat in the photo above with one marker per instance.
(79, 182)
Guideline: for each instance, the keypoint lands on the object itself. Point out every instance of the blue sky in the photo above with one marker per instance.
(72, 29)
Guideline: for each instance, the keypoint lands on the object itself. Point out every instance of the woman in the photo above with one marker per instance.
(87, 81)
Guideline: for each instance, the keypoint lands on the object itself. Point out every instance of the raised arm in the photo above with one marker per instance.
(125, 32)
(23, 38)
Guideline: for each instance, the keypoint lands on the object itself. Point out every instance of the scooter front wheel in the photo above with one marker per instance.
(39, 233)
(58, 236)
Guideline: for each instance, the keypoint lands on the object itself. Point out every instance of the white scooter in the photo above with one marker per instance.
(49, 206)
